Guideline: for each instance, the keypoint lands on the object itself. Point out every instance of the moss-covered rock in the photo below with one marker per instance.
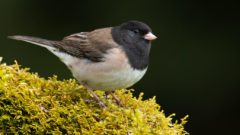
(30, 104)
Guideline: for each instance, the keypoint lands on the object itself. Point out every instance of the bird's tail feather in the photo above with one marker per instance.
(35, 40)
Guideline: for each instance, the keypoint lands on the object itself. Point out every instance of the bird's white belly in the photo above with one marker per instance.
(113, 73)
(108, 80)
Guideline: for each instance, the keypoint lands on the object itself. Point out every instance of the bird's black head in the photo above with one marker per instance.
(135, 30)
(134, 37)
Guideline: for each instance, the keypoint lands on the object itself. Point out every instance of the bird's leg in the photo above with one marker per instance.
(114, 97)
(101, 104)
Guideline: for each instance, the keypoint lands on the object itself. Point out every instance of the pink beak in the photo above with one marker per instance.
(149, 36)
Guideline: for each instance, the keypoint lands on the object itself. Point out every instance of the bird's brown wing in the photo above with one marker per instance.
(90, 45)
(78, 45)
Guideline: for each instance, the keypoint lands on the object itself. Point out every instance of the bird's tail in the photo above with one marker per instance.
(35, 40)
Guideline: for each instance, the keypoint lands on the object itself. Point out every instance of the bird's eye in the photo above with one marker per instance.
(136, 31)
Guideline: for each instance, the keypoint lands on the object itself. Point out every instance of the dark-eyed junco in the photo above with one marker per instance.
(104, 59)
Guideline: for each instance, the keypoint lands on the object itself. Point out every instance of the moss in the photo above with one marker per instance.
(30, 104)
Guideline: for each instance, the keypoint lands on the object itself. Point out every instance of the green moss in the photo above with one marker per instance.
(30, 104)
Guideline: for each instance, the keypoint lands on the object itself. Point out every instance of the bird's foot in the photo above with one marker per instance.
(101, 104)
(118, 102)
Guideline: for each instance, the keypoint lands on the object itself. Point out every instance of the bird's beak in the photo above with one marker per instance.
(149, 36)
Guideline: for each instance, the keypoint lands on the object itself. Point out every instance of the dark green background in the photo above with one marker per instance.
(194, 65)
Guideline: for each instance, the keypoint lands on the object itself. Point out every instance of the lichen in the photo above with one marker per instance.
(30, 104)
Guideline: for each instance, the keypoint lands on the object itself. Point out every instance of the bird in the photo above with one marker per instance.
(105, 59)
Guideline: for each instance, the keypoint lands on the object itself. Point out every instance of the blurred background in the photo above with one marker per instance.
(194, 65)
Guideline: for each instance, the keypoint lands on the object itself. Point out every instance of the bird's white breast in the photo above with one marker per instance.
(113, 73)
